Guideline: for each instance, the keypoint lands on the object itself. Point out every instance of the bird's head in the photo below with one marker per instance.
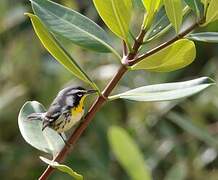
(76, 95)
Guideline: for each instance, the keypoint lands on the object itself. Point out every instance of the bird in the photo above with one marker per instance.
(65, 111)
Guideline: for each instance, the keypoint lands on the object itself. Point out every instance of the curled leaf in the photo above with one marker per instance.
(48, 140)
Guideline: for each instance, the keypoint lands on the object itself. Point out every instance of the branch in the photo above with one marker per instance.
(87, 119)
(128, 60)
(164, 45)
(125, 49)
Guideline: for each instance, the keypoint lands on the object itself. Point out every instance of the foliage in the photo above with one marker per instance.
(71, 25)
(168, 142)
(174, 12)
(167, 91)
(63, 168)
(117, 16)
(48, 141)
(176, 56)
(56, 50)
(128, 154)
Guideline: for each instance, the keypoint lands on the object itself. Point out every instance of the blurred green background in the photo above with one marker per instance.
(180, 144)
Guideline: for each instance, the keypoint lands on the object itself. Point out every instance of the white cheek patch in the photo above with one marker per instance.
(69, 101)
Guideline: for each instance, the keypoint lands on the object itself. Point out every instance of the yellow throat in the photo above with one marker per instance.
(80, 107)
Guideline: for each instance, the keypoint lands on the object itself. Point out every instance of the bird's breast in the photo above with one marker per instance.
(64, 124)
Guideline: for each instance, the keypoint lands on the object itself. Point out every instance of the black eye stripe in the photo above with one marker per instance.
(78, 94)
(75, 92)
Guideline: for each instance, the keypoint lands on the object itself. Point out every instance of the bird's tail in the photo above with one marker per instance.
(36, 116)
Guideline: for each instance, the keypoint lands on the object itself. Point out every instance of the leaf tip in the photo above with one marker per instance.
(49, 162)
(210, 80)
(30, 15)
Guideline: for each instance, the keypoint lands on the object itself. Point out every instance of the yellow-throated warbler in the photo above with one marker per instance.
(65, 111)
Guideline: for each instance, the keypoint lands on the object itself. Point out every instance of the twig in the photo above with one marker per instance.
(129, 60)
(125, 49)
(162, 46)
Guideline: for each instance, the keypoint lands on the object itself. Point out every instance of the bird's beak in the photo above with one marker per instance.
(91, 91)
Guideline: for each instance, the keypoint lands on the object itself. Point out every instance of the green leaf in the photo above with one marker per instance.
(147, 4)
(159, 23)
(212, 13)
(116, 14)
(62, 168)
(151, 7)
(187, 125)
(196, 6)
(211, 37)
(167, 91)
(176, 56)
(48, 140)
(128, 154)
(71, 25)
(178, 172)
(206, 3)
(58, 52)
(174, 12)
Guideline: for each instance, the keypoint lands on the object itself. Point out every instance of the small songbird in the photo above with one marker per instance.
(65, 111)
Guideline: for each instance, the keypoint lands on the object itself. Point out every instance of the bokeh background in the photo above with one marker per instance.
(178, 139)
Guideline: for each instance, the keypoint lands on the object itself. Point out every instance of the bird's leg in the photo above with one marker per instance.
(66, 143)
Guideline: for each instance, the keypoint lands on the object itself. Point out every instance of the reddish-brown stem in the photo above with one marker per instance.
(128, 60)
(162, 46)
(137, 44)
(87, 119)
(125, 49)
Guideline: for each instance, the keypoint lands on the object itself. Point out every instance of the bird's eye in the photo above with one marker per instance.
(79, 94)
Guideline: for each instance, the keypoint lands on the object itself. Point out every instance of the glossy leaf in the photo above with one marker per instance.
(211, 37)
(167, 91)
(174, 12)
(159, 23)
(56, 50)
(128, 154)
(196, 6)
(72, 25)
(116, 14)
(176, 56)
(48, 140)
(147, 4)
(62, 168)
(151, 7)
(212, 11)
(205, 2)
(160, 26)
(187, 125)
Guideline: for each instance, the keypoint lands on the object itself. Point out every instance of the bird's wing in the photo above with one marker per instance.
(36, 116)
(53, 113)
